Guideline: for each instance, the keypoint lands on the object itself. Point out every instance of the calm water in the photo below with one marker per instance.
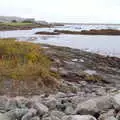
(108, 45)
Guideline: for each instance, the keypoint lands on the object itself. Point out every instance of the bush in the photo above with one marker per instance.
(23, 61)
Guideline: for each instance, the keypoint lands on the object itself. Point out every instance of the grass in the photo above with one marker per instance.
(24, 61)
(16, 23)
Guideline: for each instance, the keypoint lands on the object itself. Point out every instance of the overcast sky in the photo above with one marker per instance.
(90, 11)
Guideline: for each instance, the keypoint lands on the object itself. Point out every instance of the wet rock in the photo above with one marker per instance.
(78, 117)
(41, 109)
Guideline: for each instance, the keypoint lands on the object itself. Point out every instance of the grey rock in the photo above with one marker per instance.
(69, 110)
(5, 117)
(116, 101)
(118, 116)
(29, 115)
(63, 72)
(78, 117)
(108, 114)
(3, 102)
(46, 118)
(110, 118)
(35, 118)
(21, 102)
(41, 109)
(13, 114)
(56, 115)
(94, 106)
(11, 104)
(51, 103)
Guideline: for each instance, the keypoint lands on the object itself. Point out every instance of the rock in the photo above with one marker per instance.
(110, 113)
(78, 117)
(35, 118)
(118, 116)
(3, 102)
(47, 118)
(94, 106)
(15, 114)
(51, 103)
(56, 115)
(63, 72)
(53, 69)
(69, 110)
(11, 104)
(21, 102)
(29, 115)
(5, 117)
(110, 118)
(116, 101)
(41, 109)
(60, 95)
(74, 60)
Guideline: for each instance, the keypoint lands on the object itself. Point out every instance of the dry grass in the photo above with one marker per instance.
(24, 61)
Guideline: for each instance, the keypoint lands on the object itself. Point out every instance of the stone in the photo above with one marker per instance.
(11, 104)
(94, 106)
(116, 101)
(32, 112)
(51, 103)
(41, 109)
(21, 102)
(69, 110)
(3, 102)
(110, 118)
(57, 115)
(108, 114)
(35, 118)
(79, 117)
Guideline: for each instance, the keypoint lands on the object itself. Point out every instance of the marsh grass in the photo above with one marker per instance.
(24, 61)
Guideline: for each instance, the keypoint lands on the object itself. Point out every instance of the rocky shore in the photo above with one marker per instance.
(89, 89)
(61, 106)
(82, 32)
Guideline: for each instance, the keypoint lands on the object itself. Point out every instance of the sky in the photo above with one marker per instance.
(73, 11)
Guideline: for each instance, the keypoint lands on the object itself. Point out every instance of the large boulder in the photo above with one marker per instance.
(94, 106)
(79, 117)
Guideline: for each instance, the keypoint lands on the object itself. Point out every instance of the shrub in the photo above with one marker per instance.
(23, 61)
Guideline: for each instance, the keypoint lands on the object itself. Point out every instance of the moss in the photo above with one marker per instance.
(24, 61)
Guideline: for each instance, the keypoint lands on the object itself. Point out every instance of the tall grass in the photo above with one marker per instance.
(23, 61)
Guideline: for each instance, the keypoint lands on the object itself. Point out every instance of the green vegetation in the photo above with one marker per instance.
(24, 61)
(16, 23)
